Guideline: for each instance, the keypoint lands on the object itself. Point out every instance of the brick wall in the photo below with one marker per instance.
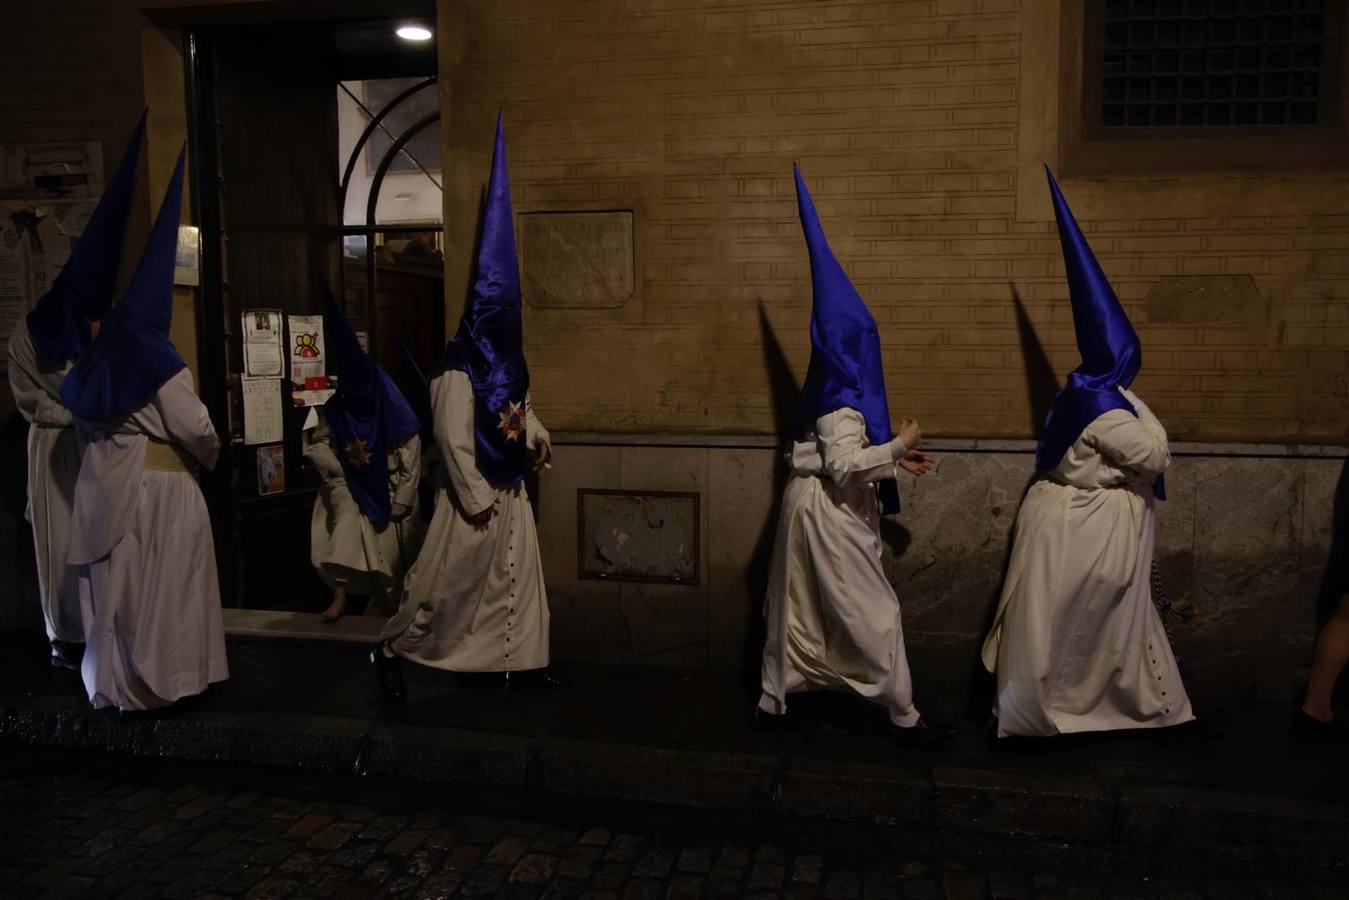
(62, 73)
(905, 117)
(78, 70)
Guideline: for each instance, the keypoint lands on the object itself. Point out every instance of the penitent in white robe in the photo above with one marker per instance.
(142, 536)
(1077, 644)
(54, 451)
(475, 599)
(344, 546)
(833, 618)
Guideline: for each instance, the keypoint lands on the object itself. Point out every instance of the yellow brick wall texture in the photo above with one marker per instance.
(59, 73)
(78, 70)
(904, 117)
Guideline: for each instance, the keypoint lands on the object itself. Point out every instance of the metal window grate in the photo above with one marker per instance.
(1212, 62)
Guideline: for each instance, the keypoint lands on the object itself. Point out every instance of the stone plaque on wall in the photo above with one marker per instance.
(637, 536)
(576, 260)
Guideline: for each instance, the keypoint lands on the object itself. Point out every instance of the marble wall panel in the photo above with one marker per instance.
(1242, 544)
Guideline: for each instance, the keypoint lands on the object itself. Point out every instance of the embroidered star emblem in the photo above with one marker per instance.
(358, 452)
(512, 422)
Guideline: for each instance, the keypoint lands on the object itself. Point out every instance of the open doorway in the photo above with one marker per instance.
(316, 156)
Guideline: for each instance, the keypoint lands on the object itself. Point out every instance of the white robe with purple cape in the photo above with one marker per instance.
(833, 618)
(475, 599)
(1077, 644)
(344, 546)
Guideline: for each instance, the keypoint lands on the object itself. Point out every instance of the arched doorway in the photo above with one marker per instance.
(272, 177)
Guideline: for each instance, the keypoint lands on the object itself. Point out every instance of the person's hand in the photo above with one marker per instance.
(543, 454)
(910, 435)
(481, 519)
(918, 463)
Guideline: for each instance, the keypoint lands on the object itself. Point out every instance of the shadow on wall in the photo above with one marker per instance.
(1041, 384)
(1041, 388)
(784, 391)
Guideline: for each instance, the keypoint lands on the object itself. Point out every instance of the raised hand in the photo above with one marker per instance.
(918, 463)
(543, 454)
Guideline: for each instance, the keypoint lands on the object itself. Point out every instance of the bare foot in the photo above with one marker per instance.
(338, 608)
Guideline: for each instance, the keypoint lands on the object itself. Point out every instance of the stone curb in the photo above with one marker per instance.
(916, 794)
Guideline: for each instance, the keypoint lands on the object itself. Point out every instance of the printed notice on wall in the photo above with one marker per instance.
(68, 170)
(308, 381)
(263, 357)
(187, 263)
(35, 242)
(262, 410)
(46, 194)
(13, 279)
(272, 469)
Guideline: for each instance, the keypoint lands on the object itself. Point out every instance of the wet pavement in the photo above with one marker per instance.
(680, 744)
(272, 680)
(77, 826)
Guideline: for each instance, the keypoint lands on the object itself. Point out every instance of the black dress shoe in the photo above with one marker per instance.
(1310, 728)
(1203, 729)
(67, 655)
(536, 680)
(923, 733)
(388, 674)
(785, 722)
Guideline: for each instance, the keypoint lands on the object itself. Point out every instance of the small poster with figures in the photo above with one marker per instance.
(308, 381)
(272, 470)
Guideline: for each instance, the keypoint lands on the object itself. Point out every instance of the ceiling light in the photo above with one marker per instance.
(414, 32)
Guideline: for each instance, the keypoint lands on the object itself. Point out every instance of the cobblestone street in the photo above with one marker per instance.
(132, 830)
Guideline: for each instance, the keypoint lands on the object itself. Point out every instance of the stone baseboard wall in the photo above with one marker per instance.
(1247, 544)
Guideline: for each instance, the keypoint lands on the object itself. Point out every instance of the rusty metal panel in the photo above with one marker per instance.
(647, 536)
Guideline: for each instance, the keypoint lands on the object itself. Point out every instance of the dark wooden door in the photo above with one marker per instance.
(265, 132)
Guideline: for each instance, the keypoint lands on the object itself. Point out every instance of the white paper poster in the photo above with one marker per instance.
(35, 242)
(59, 226)
(306, 347)
(262, 410)
(263, 356)
(46, 194)
(309, 382)
(13, 278)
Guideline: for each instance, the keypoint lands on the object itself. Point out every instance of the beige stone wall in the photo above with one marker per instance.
(83, 70)
(921, 127)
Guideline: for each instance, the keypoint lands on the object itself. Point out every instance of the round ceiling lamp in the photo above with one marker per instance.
(413, 32)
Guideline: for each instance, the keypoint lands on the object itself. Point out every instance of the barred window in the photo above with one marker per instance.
(1168, 64)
